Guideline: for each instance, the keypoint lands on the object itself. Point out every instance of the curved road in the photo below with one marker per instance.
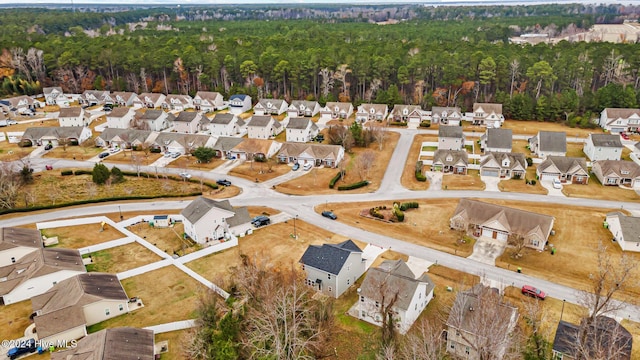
(390, 189)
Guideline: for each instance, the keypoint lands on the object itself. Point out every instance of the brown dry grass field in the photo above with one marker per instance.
(14, 319)
(177, 341)
(634, 329)
(168, 239)
(13, 152)
(471, 181)
(427, 226)
(131, 157)
(575, 150)
(83, 152)
(408, 179)
(252, 170)
(168, 295)
(22, 126)
(520, 146)
(626, 154)
(261, 210)
(521, 186)
(121, 258)
(274, 244)
(532, 127)
(191, 162)
(127, 215)
(595, 190)
(317, 180)
(79, 236)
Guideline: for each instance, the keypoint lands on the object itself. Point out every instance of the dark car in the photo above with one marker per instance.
(223, 182)
(295, 167)
(533, 292)
(107, 108)
(24, 347)
(319, 138)
(48, 147)
(260, 221)
(103, 155)
(329, 214)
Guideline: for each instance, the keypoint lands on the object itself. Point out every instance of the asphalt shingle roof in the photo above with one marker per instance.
(329, 257)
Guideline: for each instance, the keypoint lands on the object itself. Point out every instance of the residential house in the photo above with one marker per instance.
(226, 125)
(154, 120)
(205, 220)
(499, 222)
(180, 142)
(406, 113)
(120, 118)
(65, 311)
(503, 165)
(605, 339)
(603, 147)
(450, 161)
(22, 104)
(393, 286)
(301, 130)
(188, 122)
(124, 138)
(208, 101)
(336, 110)
(636, 148)
(270, 107)
(123, 343)
(36, 272)
(37, 136)
(372, 112)
(73, 116)
(497, 140)
(446, 115)
(476, 315)
(568, 169)
(124, 98)
(625, 230)
(617, 172)
(450, 138)
(488, 114)
(333, 268)
(239, 104)
(240, 223)
(302, 108)
(177, 102)
(94, 97)
(617, 120)
(263, 127)
(250, 149)
(549, 143)
(316, 154)
(149, 101)
(225, 144)
(55, 96)
(15, 243)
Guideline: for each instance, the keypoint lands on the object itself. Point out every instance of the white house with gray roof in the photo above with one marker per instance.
(503, 165)
(617, 120)
(94, 97)
(497, 140)
(406, 113)
(120, 118)
(208, 101)
(156, 120)
(303, 108)
(149, 101)
(270, 107)
(55, 96)
(301, 129)
(55, 135)
(617, 172)
(124, 138)
(372, 112)
(570, 170)
(603, 147)
(72, 116)
(225, 125)
(132, 344)
(188, 122)
(625, 230)
(177, 102)
(393, 284)
(549, 143)
(332, 268)
(450, 138)
(224, 145)
(316, 154)
(336, 110)
(124, 98)
(488, 114)
(450, 161)
(263, 127)
(15, 243)
(206, 220)
(446, 115)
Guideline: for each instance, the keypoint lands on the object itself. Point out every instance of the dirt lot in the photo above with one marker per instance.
(317, 180)
(173, 298)
(168, 239)
(14, 319)
(131, 157)
(521, 186)
(121, 258)
(79, 236)
(471, 181)
(595, 190)
(532, 127)
(426, 226)
(408, 179)
(257, 170)
(273, 243)
(191, 162)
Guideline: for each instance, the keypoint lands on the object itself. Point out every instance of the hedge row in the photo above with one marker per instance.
(354, 185)
(409, 205)
(375, 213)
(425, 124)
(420, 176)
(142, 174)
(335, 179)
(399, 214)
(398, 123)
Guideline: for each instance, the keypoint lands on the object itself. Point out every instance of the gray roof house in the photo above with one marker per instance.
(568, 169)
(207, 221)
(606, 339)
(617, 120)
(393, 284)
(603, 147)
(503, 165)
(16, 243)
(497, 140)
(333, 268)
(263, 127)
(446, 115)
(301, 129)
(372, 112)
(625, 230)
(489, 114)
(450, 138)
(300, 108)
(547, 143)
(55, 135)
(224, 145)
(450, 161)
(316, 154)
(123, 138)
(124, 343)
(208, 101)
(270, 107)
(225, 124)
(499, 222)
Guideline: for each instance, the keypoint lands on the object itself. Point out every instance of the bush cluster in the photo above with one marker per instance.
(398, 214)
(531, 182)
(357, 185)
(375, 212)
(425, 124)
(335, 179)
(398, 123)
(66, 172)
(409, 205)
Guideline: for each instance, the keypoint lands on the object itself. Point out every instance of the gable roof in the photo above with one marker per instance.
(150, 114)
(153, 97)
(119, 112)
(393, 277)
(208, 95)
(201, 205)
(554, 141)
(263, 121)
(439, 110)
(241, 216)
(226, 143)
(186, 116)
(254, 146)
(605, 328)
(318, 151)
(304, 104)
(563, 163)
(128, 135)
(499, 138)
(49, 90)
(629, 225)
(11, 237)
(300, 123)
(399, 108)
(342, 106)
(450, 132)
(223, 119)
(240, 97)
(275, 103)
(36, 133)
(329, 257)
(515, 159)
(606, 140)
(616, 167)
(622, 113)
(188, 141)
(377, 108)
(488, 107)
(457, 156)
(125, 343)
(73, 111)
(172, 98)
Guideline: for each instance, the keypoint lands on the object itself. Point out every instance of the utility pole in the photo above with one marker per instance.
(295, 232)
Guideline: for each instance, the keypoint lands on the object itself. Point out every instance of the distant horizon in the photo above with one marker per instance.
(309, 2)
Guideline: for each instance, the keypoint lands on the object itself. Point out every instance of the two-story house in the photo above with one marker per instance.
(449, 115)
(22, 104)
(332, 268)
(617, 120)
(132, 344)
(149, 101)
(303, 108)
(124, 98)
(225, 125)
(188, 122)
(72, 116)
(270, 107)
(450, 138)
(406, 113)
(503, 165)
(394, 288)
(55, 96)
(488, 114)
(604, 339)
(372, 112)
(497, 140)
(94, 97)
(205, 220)
(239, 103)
(65, 311)
(177, 102)
(603, 147)
(301, 130)
(549, 143)
(154, 120)
(120, 118)
(208, 101)
(617, 172)
(263, 127)
(336, 110)
(570, 170)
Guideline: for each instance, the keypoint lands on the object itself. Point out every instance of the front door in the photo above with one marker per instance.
(494, 235)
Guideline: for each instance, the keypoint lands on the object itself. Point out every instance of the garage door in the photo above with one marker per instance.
(178, 149)
(487, 172)
(488, 233)
(549, 176)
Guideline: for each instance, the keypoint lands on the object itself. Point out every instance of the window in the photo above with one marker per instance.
(120, 307)
(328, 276)
(13, 260)
(377, 304)
(107, 312)
(348, 281)
(330, 289)
(362, 297)
(453, 346)
(467, 350)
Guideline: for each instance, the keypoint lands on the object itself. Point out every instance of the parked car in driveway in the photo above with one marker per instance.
(533, 292)
(24, 347)
(175, 155)
(48, 147)
(307, 166)
(295, 167)
(329, 214)
(624, 136)
(103, 155)
(557, 184)
(260, 220)
(223, 182)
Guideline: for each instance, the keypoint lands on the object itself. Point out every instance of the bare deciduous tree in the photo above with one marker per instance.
(379, 133)
(364, 162)
(139, 124)
(514, 70)
(517, 243)
(10, 185)
(423, 342)
(537, 344)
(327, 81)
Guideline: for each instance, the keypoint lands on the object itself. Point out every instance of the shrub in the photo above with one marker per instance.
(66, 172)
(116, 175)
(398, 214)
(516, 176)
(354, 185)
(100, 174)
(155, 150)
(533, 182)
(419, 165)
(529, 161)
(398, 123)
(335, 179)
(409, 205)
(82, 172)
(425, 124)
(420, 176)
(375, 213)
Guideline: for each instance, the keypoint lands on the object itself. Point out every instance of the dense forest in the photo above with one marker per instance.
(427, 56)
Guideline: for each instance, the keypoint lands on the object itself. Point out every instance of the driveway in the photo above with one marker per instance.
(548, 184)
(491, 182)
(487, 250)
(285, 177)
(435, 180)
(227, 166)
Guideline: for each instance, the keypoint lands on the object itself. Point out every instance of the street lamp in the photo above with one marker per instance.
(562, 311)
(120, 211)
(295, 233)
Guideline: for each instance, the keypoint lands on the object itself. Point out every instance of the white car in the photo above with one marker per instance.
(185, 175)
(307, 167)
(557, 184)
(114, 150)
